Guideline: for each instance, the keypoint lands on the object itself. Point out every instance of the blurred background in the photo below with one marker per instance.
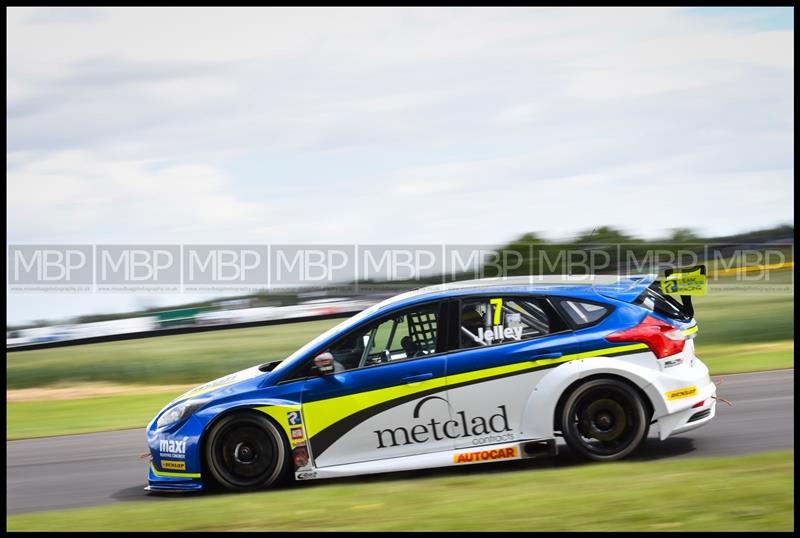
(496, 131)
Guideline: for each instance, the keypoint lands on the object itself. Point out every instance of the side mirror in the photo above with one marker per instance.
(323, 363)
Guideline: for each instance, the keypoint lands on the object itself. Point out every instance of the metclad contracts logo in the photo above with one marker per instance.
(460, 426)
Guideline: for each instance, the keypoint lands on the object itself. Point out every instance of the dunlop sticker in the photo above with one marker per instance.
(681, 393)
(173, 465)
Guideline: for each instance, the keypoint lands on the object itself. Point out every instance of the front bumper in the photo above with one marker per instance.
(175, 463)
(158, 481)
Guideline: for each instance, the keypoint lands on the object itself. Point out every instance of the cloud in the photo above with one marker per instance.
(359, 116)
(79, 196)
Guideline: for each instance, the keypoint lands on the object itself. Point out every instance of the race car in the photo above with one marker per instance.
(449, 375)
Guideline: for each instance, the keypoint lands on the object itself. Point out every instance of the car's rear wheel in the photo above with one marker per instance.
(604, 420)
(245, 452)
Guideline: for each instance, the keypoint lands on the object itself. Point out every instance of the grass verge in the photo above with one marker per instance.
(744, 493)
(177, 359)
(739, 358)
(82, 415)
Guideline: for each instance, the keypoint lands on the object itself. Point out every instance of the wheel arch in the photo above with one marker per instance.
(244, 407)
(559, 408)
(552, 389)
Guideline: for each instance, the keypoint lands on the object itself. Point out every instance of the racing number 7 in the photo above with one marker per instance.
(498, 308)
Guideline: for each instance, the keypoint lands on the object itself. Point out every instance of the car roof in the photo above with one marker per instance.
(622, 287)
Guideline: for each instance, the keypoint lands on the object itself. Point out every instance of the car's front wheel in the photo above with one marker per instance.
(245, 451)
(604, 420)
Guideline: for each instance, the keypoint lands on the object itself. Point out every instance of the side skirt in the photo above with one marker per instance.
(533, 448)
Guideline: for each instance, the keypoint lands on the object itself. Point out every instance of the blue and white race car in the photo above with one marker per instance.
(468, 372)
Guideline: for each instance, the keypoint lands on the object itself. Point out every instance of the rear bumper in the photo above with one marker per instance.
(687, 398)
(689, 419)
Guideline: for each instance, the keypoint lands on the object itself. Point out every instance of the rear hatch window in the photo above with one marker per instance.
(664, 305)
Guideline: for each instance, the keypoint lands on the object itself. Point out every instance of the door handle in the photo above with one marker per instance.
(555, 355)
(417, 378)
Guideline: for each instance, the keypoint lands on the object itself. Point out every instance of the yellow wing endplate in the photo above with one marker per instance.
(690, 281)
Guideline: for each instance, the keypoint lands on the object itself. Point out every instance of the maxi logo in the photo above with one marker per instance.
(461, 426)
(172, 446)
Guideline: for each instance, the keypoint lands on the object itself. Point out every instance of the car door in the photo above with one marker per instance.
(505, 345)
(381, 401)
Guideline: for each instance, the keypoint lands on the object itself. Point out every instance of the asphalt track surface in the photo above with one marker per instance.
(101, 468)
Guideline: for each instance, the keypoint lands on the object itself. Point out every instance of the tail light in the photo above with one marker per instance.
(662, 338)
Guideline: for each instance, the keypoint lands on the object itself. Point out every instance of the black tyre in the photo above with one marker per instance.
(246, 451)
(604, 420)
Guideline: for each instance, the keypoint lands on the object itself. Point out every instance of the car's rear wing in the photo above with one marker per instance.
(684, 282)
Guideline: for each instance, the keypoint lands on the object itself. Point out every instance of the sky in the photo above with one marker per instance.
(398, 126)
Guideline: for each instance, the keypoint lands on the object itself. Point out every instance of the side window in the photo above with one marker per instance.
(499, 320)
(404, 335)
(583, 314)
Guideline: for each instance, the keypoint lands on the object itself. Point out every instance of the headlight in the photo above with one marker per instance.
(179, 412)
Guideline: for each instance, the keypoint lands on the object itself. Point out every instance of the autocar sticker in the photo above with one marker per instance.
(489, 454)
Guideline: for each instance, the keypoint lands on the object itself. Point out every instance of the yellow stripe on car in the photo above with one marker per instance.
(321, 414)
(618, 349)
